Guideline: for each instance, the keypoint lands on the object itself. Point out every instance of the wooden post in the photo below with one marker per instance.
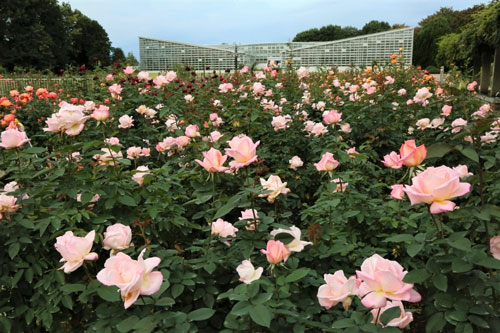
(484, 82)
(495, 89)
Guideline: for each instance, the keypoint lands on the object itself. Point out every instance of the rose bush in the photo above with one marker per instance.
(216, 184)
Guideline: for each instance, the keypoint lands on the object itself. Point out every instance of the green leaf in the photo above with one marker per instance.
(241, 308)
(13, 250)
(127, 324)
(470, 153)
(233, 202)
(435, 323)
(400, 238)
(489, 262)
(390, 314)
(200, 314)
(297, 275)
(72, 287)
(414, 248)
(34, 150)
(478, 321)
(127, 200)
(440, 281)
(5, 322)
(261, 315)
(460, 243)
(416, 276)
(109, 293)
(176, 290)
(145, 325)
(344, 323)
(438, 150)
(165, 301)
(460, 266)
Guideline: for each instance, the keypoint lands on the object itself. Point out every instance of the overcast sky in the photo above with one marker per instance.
(245, 21)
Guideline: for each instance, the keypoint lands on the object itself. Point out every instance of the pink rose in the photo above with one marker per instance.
(101, 113)
(74, 250)
(458, 124)
(402, 321)
(225, 87)
(138, 177)
(446, 110)
(435, 186)
(295, 162)
(296, 245)
(70, 119)
(132, 277)
(248, 273)
(302, 73)
(332, 117)
(13, 138)
(248, 215)
(213, 161)
(337, 289)
(143, 76)
(7, 205)
(327, 163)
(423, 123)
(275, 252)
(117, 237)
(397, 192)
(411, 155)
(189, 98)
(346, 128)
(462, 171)
(281, 122)
(381, 279)
(341, 185)
(495, 247)
(125, 121)
(319, 129)
(128, 70)
(192, 131)
(215, 136)
(223, 228)
(109, 77)
(393, 160)
(244, 69)
(273, 184)
(243, 150)
(258, 88)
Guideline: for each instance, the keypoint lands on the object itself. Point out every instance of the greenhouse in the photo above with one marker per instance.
(365, 50)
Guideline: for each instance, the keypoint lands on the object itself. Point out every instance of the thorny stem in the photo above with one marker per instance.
(437, 223)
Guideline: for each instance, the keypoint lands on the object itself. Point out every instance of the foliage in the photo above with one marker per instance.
(446, 255)
(334, 32)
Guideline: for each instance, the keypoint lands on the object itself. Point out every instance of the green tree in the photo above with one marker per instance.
(425, 47)
(117, 55)
(374, 27)
(310, 35)
(131, 59)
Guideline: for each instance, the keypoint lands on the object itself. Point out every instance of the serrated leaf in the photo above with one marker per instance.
(13, 250)
(126, 325)
(440, 281)
(435, 323)
(109, 293)
(261, 315)
(127, 200)
(200, 314)
(390, 314)
(416, 276)
(438, 150)
(297, 275)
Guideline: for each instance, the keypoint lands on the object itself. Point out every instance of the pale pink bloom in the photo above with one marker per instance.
(89, 106)
(70, 119)
(171, 76)
(402, 92)
(171, 123)
(296, 245)
(435, 186)
(143, 76)
(13, 138)
(11, 187)
(410, 130)
(128, 70)
(336, 83)
(423, 123)
(302, 73)
(249, 214)
(332, 117)
(393, 160)
(409, 102)
(397, 192)
(402, 321)
(243, 150)
(485, 108)
(346, 128)
(150, 113)
(189, 98)
(138, 177)
(295, 162)
(225, 87)
(213, 161)
(472, 86)
(388, 80)
(489, 137)
(109, 77)
(422, 95)
(213, 116)
(337, 289)
(160, 81)
(167, 144)
(382, 279)
(214, 136)
(275, 252)
(446, 110)
(319, 129)
(371, 90)
(281, 122)
(109, 157)
(126, 121)
(258, 88)
(411, 155)
(192, 131)
(268, 93)
(260, 75)
(462, 171)
(101, 113)
(275, 185)
(182, 141)
(146, 152)
(341, 185)
(223, 228)
(248, 273)
(468, 138)
(351, 152)
(115, 90)
(132, 277)
(117, 237)
(309, 125)
(495, 247)
(327, 162)
(437, 122)
(244, 69)
(458, 124)
(7, 205)
(320, 105)
(74, 250)
(134, 152)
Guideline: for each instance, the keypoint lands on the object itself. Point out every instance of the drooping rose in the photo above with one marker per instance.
(404, 319)
(411, 155)
(248, 273)
(275, 252)
(74, 250)
(296, 245)
(337, 289)
(213, 161)
(327, 163)
(117, 237)
(436, 186)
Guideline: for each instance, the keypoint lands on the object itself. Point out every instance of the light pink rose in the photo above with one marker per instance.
(411, 155)
(275, 252)
(74, 250)
(332, 117)
(388, 80)
(393, 160)
(115, 91)
(296, 245)
(341, 185)
(371, 90)
(402, 321)
(7, 205)
(423, 123)
(70, 119)
(258, 88)
(215, 136)
(435, 186)
(352, 152)
(243, 150)
(422, 95)
(472, 86)
(397, 192)
(295, 162)
(189, 98)
(223, 228)
(274, 184)
(132, 277)
(138, 177)
(101, 113)
(244, 69)
(458, 124)
(192, 131)
(182, 141)
(117, 237)
(337, 289)
(109, 77)
(462, 171)
(446, 110)
(381, 279)
(125, 121)
(213, 161)
(171, 76)
(114, 141)
(402, 92)
(128, 70)
(327, 163)
(160, 81)
(89, 106)
(13, 138)
(346, 128)
(319, 129)
(437, 122)
(495, 247)
(248, 215)
(143, 76)
(248, 273)
(281, 122)
(225, 87)
(302, 73)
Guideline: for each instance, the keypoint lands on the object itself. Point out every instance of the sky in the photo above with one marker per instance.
(245, 21)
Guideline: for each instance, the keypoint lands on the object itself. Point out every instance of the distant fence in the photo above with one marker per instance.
(67, 84)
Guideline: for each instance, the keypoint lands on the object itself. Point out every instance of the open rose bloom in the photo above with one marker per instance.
(117, 237)
(213, 161)
(13, 138)
(132, 277)
(337, 289)
(436, 186)
(242, 150)
(296, 245)
(275, 185)
(402, 321)
(74, 250)
(248, 273)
